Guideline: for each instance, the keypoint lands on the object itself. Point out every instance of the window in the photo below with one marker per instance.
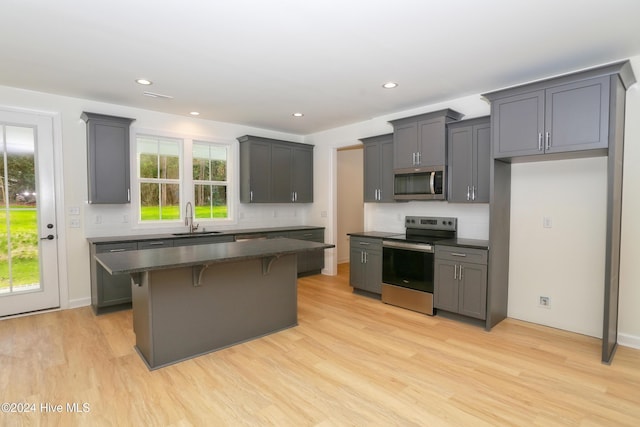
(166, 184)
(210, 180)
(159, 178)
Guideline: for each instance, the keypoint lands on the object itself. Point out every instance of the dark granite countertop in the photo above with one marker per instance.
(465, 243)
(372, 234)
(186, 256)
(162, 236)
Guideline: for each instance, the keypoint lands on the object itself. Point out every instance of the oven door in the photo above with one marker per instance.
(408, 265)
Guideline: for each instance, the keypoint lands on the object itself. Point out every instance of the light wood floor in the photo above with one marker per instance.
(351, 361)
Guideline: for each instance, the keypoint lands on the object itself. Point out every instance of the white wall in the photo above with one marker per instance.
(72, 137)
(565, 262)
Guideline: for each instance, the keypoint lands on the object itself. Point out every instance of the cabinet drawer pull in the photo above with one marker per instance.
(156, 243)
(364, 243)
(117, 250)
(458, 254)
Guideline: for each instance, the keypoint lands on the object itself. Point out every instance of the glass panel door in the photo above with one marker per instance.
(28, 245)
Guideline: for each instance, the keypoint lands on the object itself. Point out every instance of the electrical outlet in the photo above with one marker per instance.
(545, 302)
(547, 222)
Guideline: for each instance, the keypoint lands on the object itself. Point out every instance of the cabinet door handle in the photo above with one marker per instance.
(251, 196)
(413, 162)
(547, 141)
(539, 141)
(379, 194)
(365, 257)
(458, 254)
(128, 194)
(419, 155)
(455, 272)
(460, 275)
(473, 193)
(468, 192)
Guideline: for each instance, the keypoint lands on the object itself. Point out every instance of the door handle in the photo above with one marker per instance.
(49, 237)
(547, 141)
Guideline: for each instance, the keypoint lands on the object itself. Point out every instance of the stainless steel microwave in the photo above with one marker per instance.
(420, 183)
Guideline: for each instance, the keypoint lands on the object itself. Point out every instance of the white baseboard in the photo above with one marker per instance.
(629, 340)
(80, 302)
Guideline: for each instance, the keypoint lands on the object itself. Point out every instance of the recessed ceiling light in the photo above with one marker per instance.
(194, 113)
(297, 114)
(390, 85)
(144, 82)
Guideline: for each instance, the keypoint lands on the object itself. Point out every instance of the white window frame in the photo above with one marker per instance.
(186, 180)
(228, 148)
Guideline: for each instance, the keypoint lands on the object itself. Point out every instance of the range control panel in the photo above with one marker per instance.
(431, 222)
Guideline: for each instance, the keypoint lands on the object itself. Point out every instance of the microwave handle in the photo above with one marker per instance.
(432, 185)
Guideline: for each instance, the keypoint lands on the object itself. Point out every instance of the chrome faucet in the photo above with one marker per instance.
(188, 218)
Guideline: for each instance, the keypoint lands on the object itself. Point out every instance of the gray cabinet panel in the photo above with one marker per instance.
(559, 119)
(518, 123)
(460, 163)
(445, 286)
(482, 156)
(469, 151)
(313, 261)
(577, 117)
(107, 158)
(472, 298)
(365, 264)
(109, 290)
(420, 141)
(275, 171)
(460, 281)
(302, 174)
(405, 145)
(281, 174)
(378, 168)
(255, 172)
(432, 137)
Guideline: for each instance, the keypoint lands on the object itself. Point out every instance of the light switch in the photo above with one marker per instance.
(546, 222)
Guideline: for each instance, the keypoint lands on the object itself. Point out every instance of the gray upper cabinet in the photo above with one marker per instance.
(108, 158)
(558, 119)
(274, 171)
(469, 151)
(378, 168)
(420, 141)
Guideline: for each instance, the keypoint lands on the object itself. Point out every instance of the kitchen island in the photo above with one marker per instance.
(192, 300)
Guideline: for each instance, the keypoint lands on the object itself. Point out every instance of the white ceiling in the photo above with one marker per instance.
(255, 62)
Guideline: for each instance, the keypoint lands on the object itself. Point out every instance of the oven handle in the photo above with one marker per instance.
(420, 247)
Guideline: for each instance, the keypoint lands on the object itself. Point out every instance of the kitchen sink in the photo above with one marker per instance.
(196, 233)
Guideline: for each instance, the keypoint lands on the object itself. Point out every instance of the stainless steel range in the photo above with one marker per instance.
(407, 262)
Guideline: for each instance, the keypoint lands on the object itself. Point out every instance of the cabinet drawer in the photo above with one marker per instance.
(311, 235)
(453, 253)
(116, 247)
(204, 240)
(366, 243)
(151, 244)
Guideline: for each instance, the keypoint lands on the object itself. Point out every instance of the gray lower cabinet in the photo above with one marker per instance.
(365, 264)
(561, 118)
(460, 281)
(469, 151)
(378, 168)
(108, 158)
(111, 292)
(275, 171)
(308, 262)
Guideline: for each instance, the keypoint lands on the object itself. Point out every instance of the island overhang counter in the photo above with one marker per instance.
(192, 300)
